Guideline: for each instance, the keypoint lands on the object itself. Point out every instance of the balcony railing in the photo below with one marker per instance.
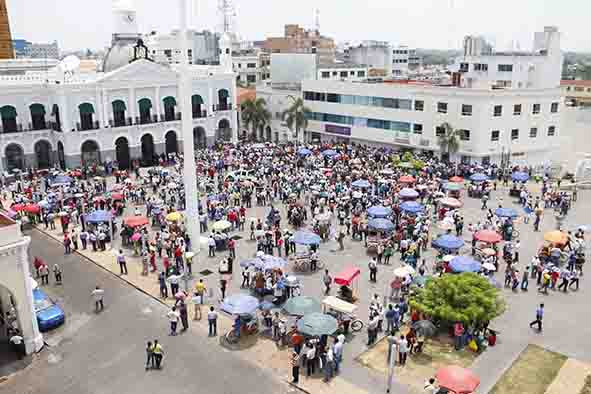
(94, 126)
(222, 107)
(201, 114)
(20, 129)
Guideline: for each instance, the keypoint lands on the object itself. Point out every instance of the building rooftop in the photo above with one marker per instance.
(575, 82)
(341, 65)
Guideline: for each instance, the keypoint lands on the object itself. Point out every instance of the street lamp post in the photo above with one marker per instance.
(189, 168)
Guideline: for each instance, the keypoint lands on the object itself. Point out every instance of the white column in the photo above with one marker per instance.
(210, 111)
(99, 112)
(189, 168)
(158, 102)
(132, 105)
(105, 105)
(233, 117)
(64, 112)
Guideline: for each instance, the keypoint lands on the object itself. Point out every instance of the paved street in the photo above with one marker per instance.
(563, 315)
(105, 353)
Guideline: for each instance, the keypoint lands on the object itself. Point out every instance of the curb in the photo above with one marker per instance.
(297, 387)
(120, 277)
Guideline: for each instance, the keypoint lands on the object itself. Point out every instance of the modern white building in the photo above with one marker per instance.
(251, 67)
(404, 60)
(377, 55)
(17, 309)
(164, 48)
(342, 71)
(520, 119)
(42, 50)
(129, 112)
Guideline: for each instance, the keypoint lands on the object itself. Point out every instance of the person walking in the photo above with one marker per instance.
(173, 317)
(184, 314)
(403, 350)
(122, 263)
(163, 285)
(158, 353)
(149, 356)
(338, 352)
(44, 272)
(328, 364)
(98, 295)
(295, 367)
(327, 280)
(212, 320)
(525, 279)
(373, 270)
(211, 246)
(539, 317)
(57, 272)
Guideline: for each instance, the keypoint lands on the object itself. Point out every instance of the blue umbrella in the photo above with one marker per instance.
(329, 153)
(361, 183)
(452, 186)
(267, 306)
(448, 241)
(379, 211)
(304, 152)
(248, 262)
(306, 238)
(506, 213)
(381, 224)
(240, 304)
(520, 176)
(317, 324)
(411, 207)
(302, 305)
(99, 216)
(61, 180)
(408, 193)
(478, 178)
(464, 264)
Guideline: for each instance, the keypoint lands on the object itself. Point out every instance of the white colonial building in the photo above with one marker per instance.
(519, 120)
(130, 111)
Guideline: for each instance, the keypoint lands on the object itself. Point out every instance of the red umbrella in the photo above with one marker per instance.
(457, 379)
(99, 199)
(135, 221)
(488, 236)
(406, 179)
(76, 173)
(32, 208)
(116, 196)
(18, 207)
(456, 179)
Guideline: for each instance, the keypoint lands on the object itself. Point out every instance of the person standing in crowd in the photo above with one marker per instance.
(295, 367)
(122, 263)
(373, 270)
(57, 272)
(212, 320)
(327, 280)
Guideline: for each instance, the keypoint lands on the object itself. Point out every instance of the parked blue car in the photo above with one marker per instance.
(49, 315)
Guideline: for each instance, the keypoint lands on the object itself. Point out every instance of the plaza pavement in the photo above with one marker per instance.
(566, 326)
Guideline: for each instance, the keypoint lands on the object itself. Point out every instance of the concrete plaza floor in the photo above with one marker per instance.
(566, 325)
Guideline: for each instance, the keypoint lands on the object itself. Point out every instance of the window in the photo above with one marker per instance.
(417, 128)
(579, 89)
(333, 98)
(442, 108)
(480, 67)
(334, 73)
(309, 96)
(351, 73)
(361, 73)
(517, 109)
(239, 65)
(465, 135)
(168, 53)
(498, 110)
(466, 110)
(554, 108)
(419, 105)
(439, 131)
(536, 109)
(515, 134)
(464, 67)
(568, 88)
(251, 65)
(551, 131)
(533, 132)
(251, 78)
(378, 124)
(319, 96)
(505, 68)
(376, 101)
(494, 135)
(325, 74)
(344, 74)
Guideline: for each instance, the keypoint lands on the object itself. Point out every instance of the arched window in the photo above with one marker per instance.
(86, 117)
(8, 114)
(197, 103)
(119, 109)
(15, 157)
(145, 110)
(37, 117)
(55, 112)
(169, 108)
(223, 104)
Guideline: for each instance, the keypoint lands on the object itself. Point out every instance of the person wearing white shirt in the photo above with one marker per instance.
(173, 317)
(98, 295)
(17, 344)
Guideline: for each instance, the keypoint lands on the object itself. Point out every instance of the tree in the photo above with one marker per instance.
(466, 297)
(296, 116)
(255, 114)
(449, 141)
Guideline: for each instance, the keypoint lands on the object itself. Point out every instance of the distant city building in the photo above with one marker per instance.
(507, 106)
(41, 51)
(19, 46)
(6, 50)
(377, 55)
(203, 47)
(251, 66)
(299, 40)
(404, 61)
(24, 66)
(577, 93)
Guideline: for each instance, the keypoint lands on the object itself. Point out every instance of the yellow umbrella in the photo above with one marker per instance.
(556, 237)
(222, 225)
(174, 216)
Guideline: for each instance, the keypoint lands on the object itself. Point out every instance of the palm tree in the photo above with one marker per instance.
(296, 116)
(449, 141)
(255, 114)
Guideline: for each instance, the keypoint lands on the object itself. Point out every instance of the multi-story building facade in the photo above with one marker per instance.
(299, 40)
(404, 60)
(203, 47)
(130, 112)
(576, 92)
(42, 51)
(342, 72)
(377, 55)
(251, 67)
(6, 49)
(521, 120)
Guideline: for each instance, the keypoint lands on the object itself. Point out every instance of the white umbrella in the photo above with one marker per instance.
(445, 225)
(404, 271)
(448, 258)
(489, 267)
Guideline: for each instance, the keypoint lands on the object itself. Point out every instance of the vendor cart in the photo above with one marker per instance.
(344, 312)
(348, 280)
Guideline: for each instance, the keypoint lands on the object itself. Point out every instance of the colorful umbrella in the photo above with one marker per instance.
(135, 221)
(448, 241)
(361, 183)
(306, 238)
(450, 202)
(174, 216)
(457, 379)
(381, 224)
(406, 179)
(556, 237)
(408, 193)
(221, 225)
(456, 179)
(478, 178)
(452, 187)
(240, 304)
(464, 264)
(302, 305)
(506, 213)
(411, 207)
(488, 236)
(317, 324)
(136, 237)
(379, 211)
(32, 208)
(520, 176)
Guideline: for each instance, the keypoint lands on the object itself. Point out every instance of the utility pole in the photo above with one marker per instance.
(189, 168)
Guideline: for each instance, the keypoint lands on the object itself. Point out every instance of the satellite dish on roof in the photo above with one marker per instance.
(70, 64)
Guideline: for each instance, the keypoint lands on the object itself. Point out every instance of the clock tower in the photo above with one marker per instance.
(124, 19)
